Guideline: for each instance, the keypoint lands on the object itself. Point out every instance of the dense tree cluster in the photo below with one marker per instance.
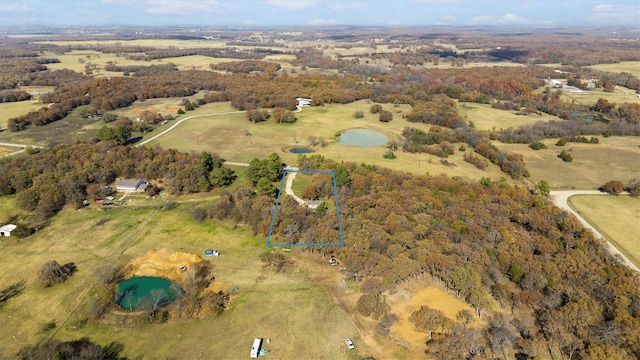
(52, 273)
(492, 245)
(70, 173)
(13, 96)
(247, 66)
(82, 349)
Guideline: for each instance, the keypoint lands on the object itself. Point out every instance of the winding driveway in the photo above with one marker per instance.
(185, 119)
(561, 198)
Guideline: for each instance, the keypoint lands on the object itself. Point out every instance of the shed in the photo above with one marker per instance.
(303, 102)
(6, 230)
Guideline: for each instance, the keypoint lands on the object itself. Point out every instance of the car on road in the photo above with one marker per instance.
(350, 344)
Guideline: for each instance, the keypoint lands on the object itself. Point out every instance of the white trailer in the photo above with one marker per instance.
(255, 349)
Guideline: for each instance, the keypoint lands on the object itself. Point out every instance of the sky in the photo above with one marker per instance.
(531, 13)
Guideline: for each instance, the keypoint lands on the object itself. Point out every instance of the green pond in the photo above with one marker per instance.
(362, 138)
(145, 290)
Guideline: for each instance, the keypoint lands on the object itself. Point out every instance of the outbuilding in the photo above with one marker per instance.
(255, 348)
(6, 230)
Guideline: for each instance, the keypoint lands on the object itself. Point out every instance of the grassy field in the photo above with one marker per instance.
(15, 109)
(615, 217)
(619, 96)
(615, 158)
(631, 67)
(484, 117)
(236, 139)
(290, 308)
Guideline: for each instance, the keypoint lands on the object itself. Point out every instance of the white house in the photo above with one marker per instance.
(303, 102)
(313, 204)
(130, 185)
(7, 229)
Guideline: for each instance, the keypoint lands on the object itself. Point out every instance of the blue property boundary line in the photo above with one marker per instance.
(275, 209)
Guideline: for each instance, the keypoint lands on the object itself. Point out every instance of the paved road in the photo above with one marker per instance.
(560, 199)
(185, 119)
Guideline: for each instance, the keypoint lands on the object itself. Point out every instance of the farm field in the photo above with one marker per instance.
(606, 214)
(589, 98)
(631, 67)
(235, 139)
(14, 109)
(484, 117)
(289, 307)
(615, 158)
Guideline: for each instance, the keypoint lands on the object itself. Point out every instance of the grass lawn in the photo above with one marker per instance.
(615, 158)
(15, 109)
(484, 117)
(589, 98)
(615, 217)
(290, 308)
(236, 139)
(631, 67)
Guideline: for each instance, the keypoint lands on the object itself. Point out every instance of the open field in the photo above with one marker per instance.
(160, 43)
(236, 139)
(615, 217)
(286, 307)
(589, 98)
(615, 158)
(14, 109)
(71, 61)
(631, 67)
(484, 117)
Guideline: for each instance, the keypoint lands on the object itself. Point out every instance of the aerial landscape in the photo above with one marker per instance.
(275, 179)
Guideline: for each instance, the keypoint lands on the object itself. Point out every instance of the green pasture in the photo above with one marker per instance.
(615, 217)
(615, 158)
(484, 117)
(14, 109)
(631, 67)
(288, 307)
(236, 139)
(619, 95)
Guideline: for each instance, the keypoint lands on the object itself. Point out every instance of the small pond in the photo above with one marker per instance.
(300, 150)
(362, 137)
(134, 291)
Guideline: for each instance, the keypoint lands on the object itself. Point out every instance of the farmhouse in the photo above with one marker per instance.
(131, 185)
(303, 102)
(313, 204)
(7, 229)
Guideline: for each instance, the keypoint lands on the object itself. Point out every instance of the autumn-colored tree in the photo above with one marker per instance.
(613, 187)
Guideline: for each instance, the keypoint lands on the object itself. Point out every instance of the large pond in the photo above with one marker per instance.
(145, 291)
(362, 137)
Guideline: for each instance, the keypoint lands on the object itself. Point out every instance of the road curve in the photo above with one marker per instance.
(185, 119)
(561, 198)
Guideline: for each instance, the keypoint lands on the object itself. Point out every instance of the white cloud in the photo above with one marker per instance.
(449, 18)
(17, 7)
(615, 14)
(512, 19)
(293, 4)
(173, 7)
(319, 22)
(506, 19)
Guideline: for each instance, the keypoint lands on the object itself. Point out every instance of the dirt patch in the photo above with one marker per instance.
(161, 263)
(407, 300)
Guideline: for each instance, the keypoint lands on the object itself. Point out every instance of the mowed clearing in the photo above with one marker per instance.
(615, 217)
(615, 158)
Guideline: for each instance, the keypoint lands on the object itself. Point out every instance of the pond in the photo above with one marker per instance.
(300, 150)
(363, 138)
(145, 290)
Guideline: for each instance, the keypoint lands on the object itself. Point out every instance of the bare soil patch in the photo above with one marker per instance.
(161, 263)
(408, 299)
